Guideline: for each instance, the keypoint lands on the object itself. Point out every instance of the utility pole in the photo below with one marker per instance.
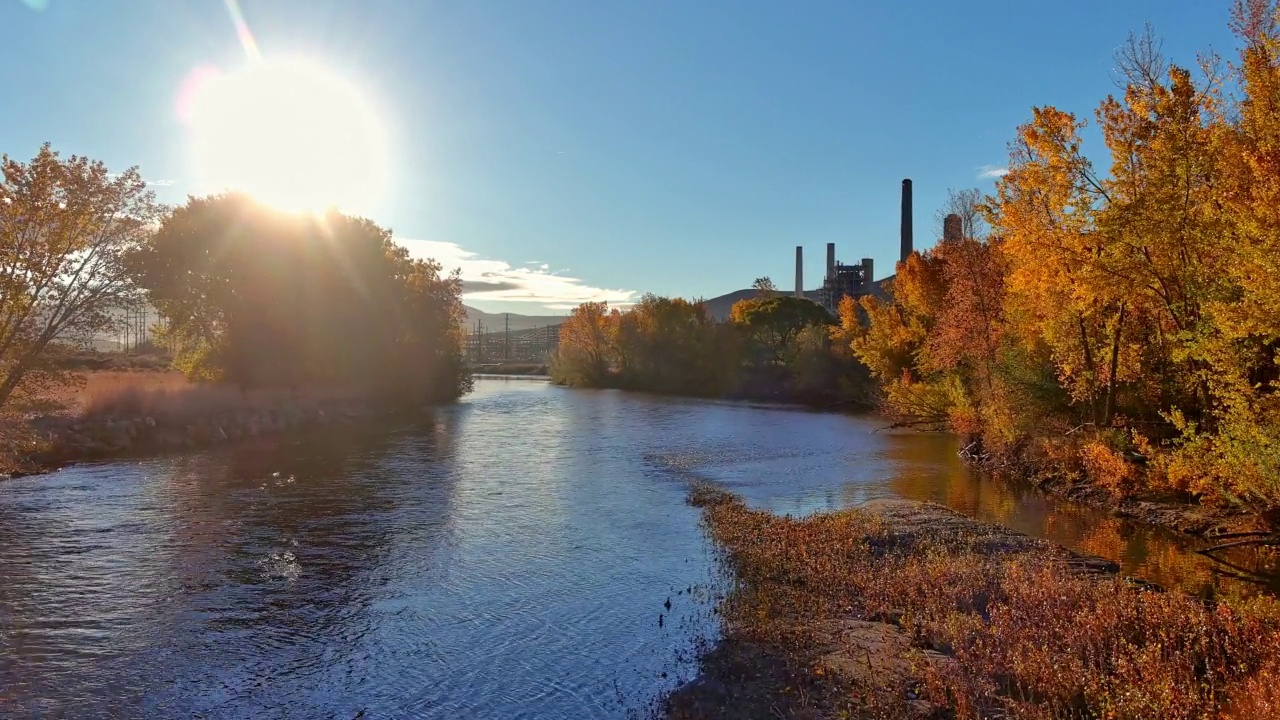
(506, 340)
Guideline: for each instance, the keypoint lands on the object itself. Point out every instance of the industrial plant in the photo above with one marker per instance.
(841, 280)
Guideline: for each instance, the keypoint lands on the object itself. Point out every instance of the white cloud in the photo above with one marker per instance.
(992, 171)
(150, 183)
(485, 279)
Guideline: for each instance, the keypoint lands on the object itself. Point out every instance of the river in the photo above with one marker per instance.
(524, 553)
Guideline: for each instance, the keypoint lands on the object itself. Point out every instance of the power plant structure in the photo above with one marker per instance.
(840, 280)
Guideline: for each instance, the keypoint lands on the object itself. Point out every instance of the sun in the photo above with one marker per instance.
(287, 132)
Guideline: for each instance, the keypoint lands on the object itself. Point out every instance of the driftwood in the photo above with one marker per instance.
(911, 423)
(1242, 539)
(1269, 540)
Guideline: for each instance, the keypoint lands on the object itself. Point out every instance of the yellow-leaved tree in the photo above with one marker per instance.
(67, 231)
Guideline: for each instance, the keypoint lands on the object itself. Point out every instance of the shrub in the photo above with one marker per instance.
(1108, 468)
(1027, 636)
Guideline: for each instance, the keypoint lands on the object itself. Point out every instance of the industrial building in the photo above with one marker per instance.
(856, 280)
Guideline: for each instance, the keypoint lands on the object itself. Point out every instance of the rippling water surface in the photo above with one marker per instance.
(510, 556)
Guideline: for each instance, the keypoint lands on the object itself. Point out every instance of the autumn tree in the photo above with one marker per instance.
(1129, 312)
(1233, 451)
(583, 356)
(67, 229)
(673, 345)
(893, 341)
(1045, 212)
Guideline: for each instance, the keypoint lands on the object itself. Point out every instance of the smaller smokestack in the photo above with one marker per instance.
(868, 273)
(952, 228)
(800, 271)
(906, 219)
(831, 262)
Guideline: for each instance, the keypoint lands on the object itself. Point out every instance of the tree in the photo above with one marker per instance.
(672, 345)
(772, 322)
(967, 205)
(259, 297)
(585, 347)
(67, 228)
(1060, 301)
(764, 287)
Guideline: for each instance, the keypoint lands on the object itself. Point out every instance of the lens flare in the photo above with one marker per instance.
(286, 131)
(242, 29)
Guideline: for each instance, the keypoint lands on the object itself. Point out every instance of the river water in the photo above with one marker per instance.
(526, 553)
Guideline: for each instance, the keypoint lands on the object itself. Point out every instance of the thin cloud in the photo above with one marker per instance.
(486, 279)
(991, 172)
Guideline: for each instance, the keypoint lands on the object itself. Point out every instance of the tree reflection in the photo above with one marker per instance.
(928, 468)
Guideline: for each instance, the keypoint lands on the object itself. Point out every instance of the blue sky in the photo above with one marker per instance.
(573, 150)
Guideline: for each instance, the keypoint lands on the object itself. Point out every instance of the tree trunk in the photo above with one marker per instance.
(1090, 368)
(1115, 366)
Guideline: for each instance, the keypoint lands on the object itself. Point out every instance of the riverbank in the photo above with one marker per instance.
(1180, 514)
(1173, 511)
(907, 610)
(132, 414)
(531, 369)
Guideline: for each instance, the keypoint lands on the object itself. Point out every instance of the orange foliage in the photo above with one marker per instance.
(1107, 468)
(1143, 299)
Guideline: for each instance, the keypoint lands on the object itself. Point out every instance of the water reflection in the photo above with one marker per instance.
(798, 462)
(505, 557)
(930, 469)
(487, 562)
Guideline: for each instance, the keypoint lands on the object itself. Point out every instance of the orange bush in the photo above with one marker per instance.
(1108, 469)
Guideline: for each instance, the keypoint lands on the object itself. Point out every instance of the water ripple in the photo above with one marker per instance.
(506, 557)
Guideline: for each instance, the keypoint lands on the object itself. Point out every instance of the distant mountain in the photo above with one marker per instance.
(720, 306)
(497, 322)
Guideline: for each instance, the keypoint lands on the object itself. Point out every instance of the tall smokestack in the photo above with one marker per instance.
(831, 262)
(906, 219)
(800, 271)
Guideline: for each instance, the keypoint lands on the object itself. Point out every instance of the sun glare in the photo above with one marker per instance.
(288, 133)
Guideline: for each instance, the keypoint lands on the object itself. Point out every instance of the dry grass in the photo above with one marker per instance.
(1027, 636)
(171, 396)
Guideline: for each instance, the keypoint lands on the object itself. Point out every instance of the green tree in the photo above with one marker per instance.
(764, 287)
(773, 322)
